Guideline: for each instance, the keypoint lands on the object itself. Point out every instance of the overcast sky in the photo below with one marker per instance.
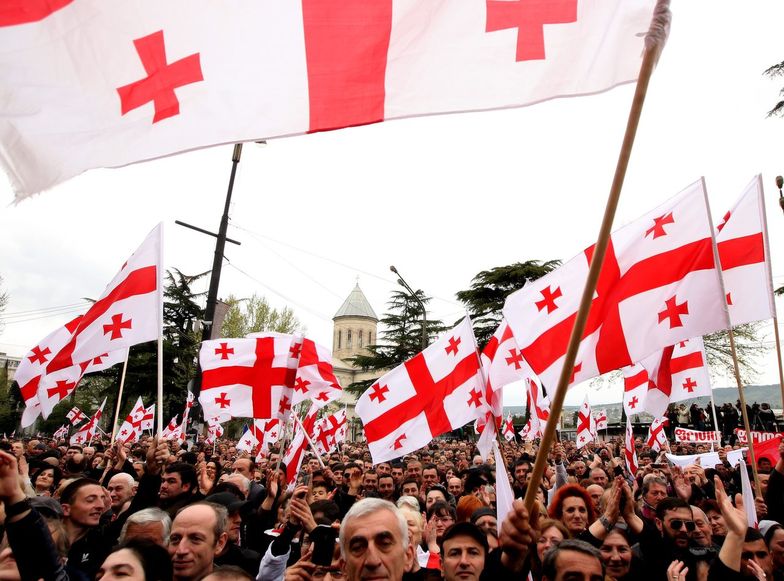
(441, 198)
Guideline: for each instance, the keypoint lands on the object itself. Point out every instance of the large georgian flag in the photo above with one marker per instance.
(106, 84)
(742, 239)
(438, 390)
(658, 285)
(248, 378)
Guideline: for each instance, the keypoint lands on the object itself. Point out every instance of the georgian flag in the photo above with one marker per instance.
(600, 419)
(629, 450)
(149, 418)
(438, 390)
(61, 432)
(107, 84)
(299, 443)
(132, 428)
(744, 253)
(88, 430)
(508, 429)
(659, 284)
(173, 430)
(272, 433)
(214, 430)
(247, 440)
(249, 378)
(315, 379)
(330, 431)
(585, 431)
(657, 438)
(75, 416)
(129, 311)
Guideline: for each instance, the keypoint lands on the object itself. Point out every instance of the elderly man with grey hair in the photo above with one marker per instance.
(122, 488)
(573, 559)
(152, 524)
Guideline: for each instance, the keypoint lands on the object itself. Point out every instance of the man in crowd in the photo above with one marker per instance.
(198, 535)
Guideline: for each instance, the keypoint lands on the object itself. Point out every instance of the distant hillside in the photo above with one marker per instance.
(753, 393)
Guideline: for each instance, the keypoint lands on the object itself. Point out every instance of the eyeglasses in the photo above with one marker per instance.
(678, 524)
(334, 572)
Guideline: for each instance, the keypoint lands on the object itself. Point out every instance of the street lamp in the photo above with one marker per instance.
(401, 281)
(780, 184)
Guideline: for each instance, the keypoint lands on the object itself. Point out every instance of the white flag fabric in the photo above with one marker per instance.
(149, 418)
(131, 428)
(315, 379)
(600, 419)
(172, 430)
(744, 252)
(508, 429)
(504, 496)
(657, 438)
(658, 285)
(330, 431)
(175, 76)
(438, 390)
(629, 449)
(748, 496)
(298, 445)
(247, 441)
(128, 312)
(75, 416)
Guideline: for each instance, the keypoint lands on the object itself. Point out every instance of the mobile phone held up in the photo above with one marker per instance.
(322, 539)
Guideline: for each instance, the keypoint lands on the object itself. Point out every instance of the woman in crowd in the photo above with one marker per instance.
(45, 480)
(573, 507)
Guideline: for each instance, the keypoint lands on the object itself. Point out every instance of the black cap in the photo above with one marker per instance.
(227, 499)
(47, 506)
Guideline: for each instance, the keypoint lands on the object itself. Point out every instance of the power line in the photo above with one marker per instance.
(43, 310)
(45, 316)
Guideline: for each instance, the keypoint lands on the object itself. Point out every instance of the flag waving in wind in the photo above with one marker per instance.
(77, 98)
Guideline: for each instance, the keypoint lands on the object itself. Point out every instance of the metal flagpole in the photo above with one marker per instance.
(119, 396)
(160, 340)
(654, 43)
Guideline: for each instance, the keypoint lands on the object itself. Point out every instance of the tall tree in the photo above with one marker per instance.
(489, 289)
(254, 315)
(402, 337)
(777, 71)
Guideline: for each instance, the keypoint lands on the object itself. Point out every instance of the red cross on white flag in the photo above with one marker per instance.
(508, 429)
(652, 292)
(61, 432)
(657, 438)
(744, 252)
(674, 374)
(298, 445)
(129, 311)
(585, 433)
(255, 381)
(430, 394)
(87, 431)
(315, 378)
(160, 83)
(330, 431)
(247, 441)
(600, 418)
(172, 429)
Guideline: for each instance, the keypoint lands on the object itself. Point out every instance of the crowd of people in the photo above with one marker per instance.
(729, 418)
(162, 510)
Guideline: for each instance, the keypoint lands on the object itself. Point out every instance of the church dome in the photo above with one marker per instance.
(356, 305)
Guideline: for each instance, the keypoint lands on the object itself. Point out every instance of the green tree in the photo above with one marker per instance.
(255, 315)
(402, 337)
(773, 72)
(489, 289)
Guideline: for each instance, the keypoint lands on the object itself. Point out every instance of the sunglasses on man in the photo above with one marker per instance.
(678, 524)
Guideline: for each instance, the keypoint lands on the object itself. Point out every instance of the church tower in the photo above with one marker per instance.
(355, 326)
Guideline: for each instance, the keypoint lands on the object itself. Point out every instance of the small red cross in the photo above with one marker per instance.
(38, 355)
(724, 220)
(378, 392)
(284, 405)
(529, 18)
(224, 351)
(453, 345)
(682, 344)
(322, 396)
(123, 432)
(633, 402)
(515, 357)
(116, 327)
(582, 438)
(61, 389)
(247, 442)
(161, 80)
(673, 312)
(658, 225)
(398, 441)
(729, 298)
(689, 384)
(98, 360)
(548, 299)
(295, 349)
(474, 399)
(222, 401)
(301, 385)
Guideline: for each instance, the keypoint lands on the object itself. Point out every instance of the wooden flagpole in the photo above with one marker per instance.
(119, 396)
(310, 442)
(778, 360)
(654, 43)
(160, 338)
(743, 412)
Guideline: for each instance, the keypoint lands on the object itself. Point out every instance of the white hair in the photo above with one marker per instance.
(368, 506)
(147, 516)
(129, 480)
(244, 481)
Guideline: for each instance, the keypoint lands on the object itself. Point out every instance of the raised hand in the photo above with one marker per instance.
(734, 516)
